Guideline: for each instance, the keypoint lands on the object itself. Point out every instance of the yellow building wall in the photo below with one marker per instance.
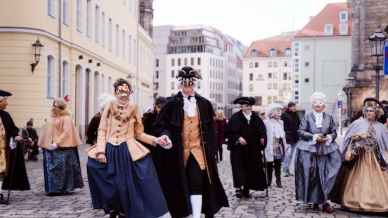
(24, 21)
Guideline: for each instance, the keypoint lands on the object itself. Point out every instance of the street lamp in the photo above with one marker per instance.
(37, 47)
(377, 41)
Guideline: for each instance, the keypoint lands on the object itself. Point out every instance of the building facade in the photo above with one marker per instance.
(216, 56)
(368, 16)
(268, 70)
(321, 54)
(87, 45)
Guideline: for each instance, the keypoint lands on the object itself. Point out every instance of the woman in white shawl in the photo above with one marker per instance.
(276, 142)
(362, 184)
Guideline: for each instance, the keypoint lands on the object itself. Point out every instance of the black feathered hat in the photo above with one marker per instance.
(188, 75)
(244, 100)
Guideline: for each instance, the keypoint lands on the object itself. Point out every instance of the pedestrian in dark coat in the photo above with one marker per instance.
(12, 165)
(220, 124)
(291, 122)
(189, 175)
(246, 135)
(30, 141)
(92, 131)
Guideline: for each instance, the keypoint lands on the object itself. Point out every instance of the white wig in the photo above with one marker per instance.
(272, 108)
(104, 99)
(318, 98)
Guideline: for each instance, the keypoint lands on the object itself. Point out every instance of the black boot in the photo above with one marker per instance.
(246, 193)
(269, 173)
(239, 193)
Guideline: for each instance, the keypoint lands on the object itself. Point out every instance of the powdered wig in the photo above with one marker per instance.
(318, 98)
(61, 106)
(104, 99)
(272, 108)
(377, 110)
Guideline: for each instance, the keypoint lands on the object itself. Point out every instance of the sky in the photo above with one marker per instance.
(245, 20)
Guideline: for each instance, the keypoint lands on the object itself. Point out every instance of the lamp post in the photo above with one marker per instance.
(37, 47)
(377, 41)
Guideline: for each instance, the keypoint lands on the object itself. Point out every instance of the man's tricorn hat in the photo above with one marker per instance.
(188, 75)
(245, 101)
(4, 94)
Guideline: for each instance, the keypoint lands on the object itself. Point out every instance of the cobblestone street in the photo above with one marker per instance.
(36, 204)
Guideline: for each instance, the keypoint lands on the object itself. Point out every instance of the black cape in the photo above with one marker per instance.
(247, 160)
(16, 175)
(172, 174)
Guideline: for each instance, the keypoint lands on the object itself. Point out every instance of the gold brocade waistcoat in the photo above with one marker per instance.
(3, 160)
(192, 140)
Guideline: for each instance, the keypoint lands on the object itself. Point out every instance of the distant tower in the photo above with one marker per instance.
(146, 15)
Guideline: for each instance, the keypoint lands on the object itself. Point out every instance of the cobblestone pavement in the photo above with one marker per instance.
(35, 204)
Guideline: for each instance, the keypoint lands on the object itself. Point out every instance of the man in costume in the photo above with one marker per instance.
(317, 157)
(189, 175)
(12, 166)
(246, 135)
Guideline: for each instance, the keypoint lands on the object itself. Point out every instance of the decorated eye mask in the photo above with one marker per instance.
(123, 91)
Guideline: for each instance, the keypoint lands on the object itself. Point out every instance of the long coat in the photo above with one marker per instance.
(247, 160)
(15, 158)
(172, 173)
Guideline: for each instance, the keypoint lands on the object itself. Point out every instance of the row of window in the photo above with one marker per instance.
(185, 62)
(104, 83)
(274, 86)
(285, 76)
(269, 64)
(125, 45)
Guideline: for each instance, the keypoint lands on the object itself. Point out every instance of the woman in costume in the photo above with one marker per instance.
(363, 182)
(276, 142)
(59, 141)
(317, 158)
(121, 173)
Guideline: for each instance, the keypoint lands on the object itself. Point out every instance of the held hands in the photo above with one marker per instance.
(18, 138)
(321, 139)
(164, 142)
(242, 141)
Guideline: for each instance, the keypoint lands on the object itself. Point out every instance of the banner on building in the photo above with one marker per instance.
(386, 59)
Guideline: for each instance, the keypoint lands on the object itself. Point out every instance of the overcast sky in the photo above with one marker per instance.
(246, 20)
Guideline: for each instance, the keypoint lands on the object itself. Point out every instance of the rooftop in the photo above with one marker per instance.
(330, 15)
(262, 47)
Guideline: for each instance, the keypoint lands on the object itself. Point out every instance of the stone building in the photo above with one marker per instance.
(368, 16)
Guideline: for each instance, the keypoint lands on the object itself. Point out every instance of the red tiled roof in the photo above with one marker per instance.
(280, 43)
(329, 15)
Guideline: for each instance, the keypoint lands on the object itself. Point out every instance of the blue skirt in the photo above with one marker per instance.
(62, 171)
(132, 188)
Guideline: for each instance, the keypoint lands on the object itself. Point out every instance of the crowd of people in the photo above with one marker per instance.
(165, 162)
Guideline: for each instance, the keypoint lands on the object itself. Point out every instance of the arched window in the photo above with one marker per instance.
(65, 79)
(66, 14)
(103, 29)
(97, 21)
(89, 11)
(124, 45)
(50, 77)
(110, 29)
(79, 15)
(51, 8)
(117, 40)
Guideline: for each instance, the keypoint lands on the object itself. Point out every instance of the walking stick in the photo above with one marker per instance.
(266, 175)
(11, 175)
